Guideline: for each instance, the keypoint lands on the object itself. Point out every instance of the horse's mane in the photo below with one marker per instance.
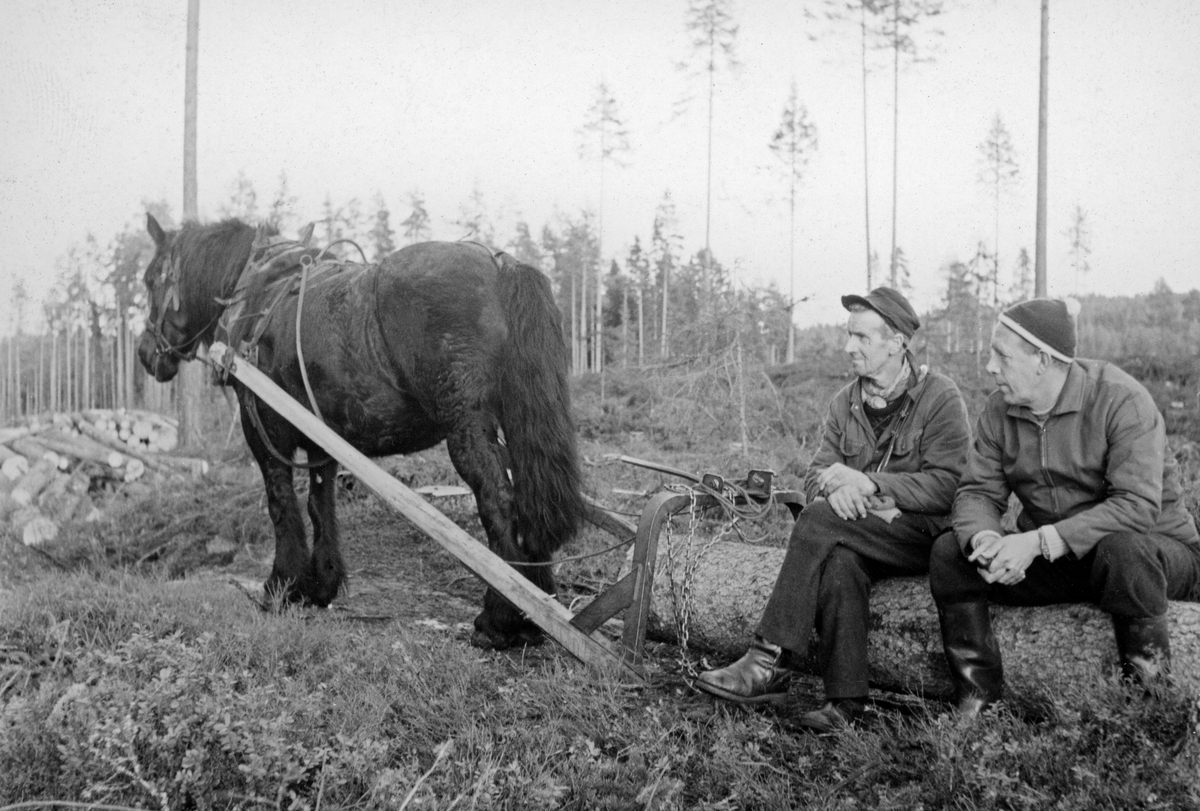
(212, 258)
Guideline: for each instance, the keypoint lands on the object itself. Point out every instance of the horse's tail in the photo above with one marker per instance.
(535, 412)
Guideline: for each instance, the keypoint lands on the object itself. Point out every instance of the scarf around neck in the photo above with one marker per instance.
(878, 396)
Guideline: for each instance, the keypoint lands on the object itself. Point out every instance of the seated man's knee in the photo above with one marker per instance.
(946, 563)
(1123, 551)
(816, 519)
(818, 513)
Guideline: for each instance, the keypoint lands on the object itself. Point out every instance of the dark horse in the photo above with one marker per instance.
(439, 340)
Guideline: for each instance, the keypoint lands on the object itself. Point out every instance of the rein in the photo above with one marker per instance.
(306, 263)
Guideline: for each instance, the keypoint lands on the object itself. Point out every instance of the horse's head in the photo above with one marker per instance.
(168, 338)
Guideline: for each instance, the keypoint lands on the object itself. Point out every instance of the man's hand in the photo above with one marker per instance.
(848, 503)
(1003, 559)
(837, 476)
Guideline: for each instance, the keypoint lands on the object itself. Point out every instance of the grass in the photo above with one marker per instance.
(156, 693)
(125, 683)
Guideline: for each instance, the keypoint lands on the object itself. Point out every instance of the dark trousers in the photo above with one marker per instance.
(1127, 574)
(825, 583)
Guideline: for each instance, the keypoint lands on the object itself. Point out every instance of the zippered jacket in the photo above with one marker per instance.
(1098, 465)
(931, 438)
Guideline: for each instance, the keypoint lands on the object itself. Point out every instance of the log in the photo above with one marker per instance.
(81, 447)
(30, 449)
(164, 464)
(7, 435)
(34, 528)
(56, 489)
(95, 433)
(32, 483)
(134, 470)
(1045, 646)
(15, 467)
(186, 464)
(165, 438)
(7, 506)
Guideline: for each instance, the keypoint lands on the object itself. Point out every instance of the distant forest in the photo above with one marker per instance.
(1156, 333)
(656, 308)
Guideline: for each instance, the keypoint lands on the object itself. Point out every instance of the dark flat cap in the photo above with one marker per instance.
(892, 306)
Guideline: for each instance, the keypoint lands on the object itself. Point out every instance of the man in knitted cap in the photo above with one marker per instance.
(879, 492)
(1083, 447)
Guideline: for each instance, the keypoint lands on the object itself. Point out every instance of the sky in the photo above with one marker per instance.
(461, 97)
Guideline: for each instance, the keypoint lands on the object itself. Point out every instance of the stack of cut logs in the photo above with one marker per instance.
(51, 467)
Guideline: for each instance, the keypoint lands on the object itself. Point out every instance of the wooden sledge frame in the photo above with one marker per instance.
(578, 634)
(633, 592)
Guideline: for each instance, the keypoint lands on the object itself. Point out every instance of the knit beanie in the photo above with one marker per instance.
(1048, 324)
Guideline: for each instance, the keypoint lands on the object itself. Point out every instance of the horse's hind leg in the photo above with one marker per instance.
(478, 457)
(328, 568)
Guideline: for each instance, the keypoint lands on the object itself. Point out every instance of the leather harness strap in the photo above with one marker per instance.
(261, 259)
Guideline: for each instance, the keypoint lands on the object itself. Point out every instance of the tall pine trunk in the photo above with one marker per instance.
(866, 166)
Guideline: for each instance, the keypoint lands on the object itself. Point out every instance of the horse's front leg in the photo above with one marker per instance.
(292, 575)
(328, 567)
(479, 458)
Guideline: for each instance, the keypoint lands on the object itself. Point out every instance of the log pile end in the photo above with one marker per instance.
(53, 470)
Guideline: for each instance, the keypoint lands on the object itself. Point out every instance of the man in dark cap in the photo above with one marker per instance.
(879, 489)
(1083, 447)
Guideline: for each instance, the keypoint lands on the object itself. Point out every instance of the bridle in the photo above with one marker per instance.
(171, 300)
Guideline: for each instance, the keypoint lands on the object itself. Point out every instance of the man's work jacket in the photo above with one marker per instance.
(918, 458)
(1098, 465)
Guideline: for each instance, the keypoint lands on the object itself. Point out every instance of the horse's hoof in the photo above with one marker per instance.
(486, 641)
(278, 595)
(496, 641)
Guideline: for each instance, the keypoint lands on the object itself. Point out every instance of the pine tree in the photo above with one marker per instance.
(282, 210)
(382, 235)
(863, 17)
(1022, 286)
(998, 170)
(473, 221)
(416, 226)
(900, 18)
(243, 199)
(664, 256)
(792, 144)
(899, 277)
(524, 248)
(1079, 233)
(603, 123)
(713, 32)
(637, 265)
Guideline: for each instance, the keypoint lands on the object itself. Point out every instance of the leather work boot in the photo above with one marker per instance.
(973, 656)
(833, 715)
(1144, 646)
(756, 678)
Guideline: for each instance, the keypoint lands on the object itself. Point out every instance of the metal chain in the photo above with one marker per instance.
(681, 596)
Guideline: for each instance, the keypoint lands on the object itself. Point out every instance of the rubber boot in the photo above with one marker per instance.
(1144, 646)
(973, 656)
(757, 678)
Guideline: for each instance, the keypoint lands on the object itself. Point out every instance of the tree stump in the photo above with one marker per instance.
(1044, 648)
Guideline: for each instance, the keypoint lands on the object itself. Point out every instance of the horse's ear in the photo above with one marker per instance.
(305, 235)
(260, 235)
(155, 230)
